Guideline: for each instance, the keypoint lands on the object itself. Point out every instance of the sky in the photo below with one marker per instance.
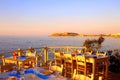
(44, 17)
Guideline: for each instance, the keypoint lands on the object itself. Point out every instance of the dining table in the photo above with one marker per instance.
(20, 61)
(94, 60)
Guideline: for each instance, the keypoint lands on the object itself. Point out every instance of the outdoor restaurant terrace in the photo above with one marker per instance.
(58, 62)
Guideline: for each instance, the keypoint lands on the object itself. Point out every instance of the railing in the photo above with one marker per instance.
(45, 51)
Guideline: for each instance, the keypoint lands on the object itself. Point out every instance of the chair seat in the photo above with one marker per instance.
(81, 77)
(7, 67)
(53, 68)
(26, 66)
(56, 68)
(68, 61)
(12, 78)
(47, 72)
(80, 63)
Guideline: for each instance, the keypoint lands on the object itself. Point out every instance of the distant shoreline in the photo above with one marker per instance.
(83, 35)
(65, 34)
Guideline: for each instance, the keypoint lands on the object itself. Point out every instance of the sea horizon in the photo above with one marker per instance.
(8, 44)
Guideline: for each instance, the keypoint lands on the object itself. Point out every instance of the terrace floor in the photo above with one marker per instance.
(113, 76)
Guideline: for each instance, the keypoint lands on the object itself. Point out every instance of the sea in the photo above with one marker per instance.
(8, 44)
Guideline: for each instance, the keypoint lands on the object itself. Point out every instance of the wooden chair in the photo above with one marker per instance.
(5, 67)
(30, 53)
(57, 66)
(58, 59)
(83, 67)
(20, 52)
(68, 65)
(81, 64)
(101, 54)
(27, 64)
(88, 53)
(101, 65)
(80, 76)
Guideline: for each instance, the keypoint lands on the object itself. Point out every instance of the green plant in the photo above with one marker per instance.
(93, 44)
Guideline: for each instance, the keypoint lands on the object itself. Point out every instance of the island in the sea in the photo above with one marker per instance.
(65, 34)
(76, 34)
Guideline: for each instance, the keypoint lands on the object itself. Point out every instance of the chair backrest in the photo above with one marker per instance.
(57, 55)
(81, 60)
(30, 54)
(20, 52)
(88, 53)
(68, 57)
(57, 58)
(3, 60)
(101, 54)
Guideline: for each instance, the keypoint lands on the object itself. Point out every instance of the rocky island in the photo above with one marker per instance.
(82, 35)
(65, 34)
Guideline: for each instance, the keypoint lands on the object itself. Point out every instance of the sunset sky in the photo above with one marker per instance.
(44, 17)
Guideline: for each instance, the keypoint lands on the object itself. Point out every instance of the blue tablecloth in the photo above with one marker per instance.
(29, 71)
(90, 56)
(22, 58)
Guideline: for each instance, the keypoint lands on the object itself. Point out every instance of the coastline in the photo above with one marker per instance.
(83, 35)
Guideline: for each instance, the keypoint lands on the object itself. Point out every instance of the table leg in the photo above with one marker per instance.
(94, 69)
(106, 72)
